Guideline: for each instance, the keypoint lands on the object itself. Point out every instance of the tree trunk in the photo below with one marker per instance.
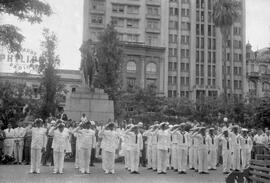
(224, 39)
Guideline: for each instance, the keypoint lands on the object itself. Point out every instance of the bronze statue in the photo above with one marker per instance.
(89, 62)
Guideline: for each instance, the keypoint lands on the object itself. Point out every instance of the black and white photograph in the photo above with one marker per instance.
(135, 91)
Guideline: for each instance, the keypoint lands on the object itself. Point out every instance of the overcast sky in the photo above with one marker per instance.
(66, 22)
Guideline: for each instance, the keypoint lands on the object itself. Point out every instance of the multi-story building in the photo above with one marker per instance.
(258, 71)
(172, 43)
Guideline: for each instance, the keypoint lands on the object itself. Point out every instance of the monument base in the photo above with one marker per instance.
(95, 104)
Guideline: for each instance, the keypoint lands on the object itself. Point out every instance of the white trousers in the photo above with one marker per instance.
(236, 159)
(162, 160)
(18, 151)
(191, 154)
(174, 159)
(212, 159)
(226, 156)
(77, 157)
(154, 157)
(182, 159)
(134, 160)
(85, 155)
(128, 159)
(149, 156)
(245, 156)
(203, 164)
(108, 160)
(58, 160)
(35, 160)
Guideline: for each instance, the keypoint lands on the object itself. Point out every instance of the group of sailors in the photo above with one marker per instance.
(179, 147)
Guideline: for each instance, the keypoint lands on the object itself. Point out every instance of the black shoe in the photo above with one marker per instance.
(136, 172)
(159, 173)
(92, 165)
(164, 172)
(192, 168)
(175, 170)
(205, 173)
(200, 172)
(184, 172)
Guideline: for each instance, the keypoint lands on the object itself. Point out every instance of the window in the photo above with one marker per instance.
(153, 39)
(131, 82)
(132, 23)
(150, 81)
(151, 67)
(73, 89)
(97, 19)
(153, 10)
(132, 38)
(185, 26)
(266, 86)
(118, 22)
(131, 66)
(118, 8)
(153, 24)
(133, 9)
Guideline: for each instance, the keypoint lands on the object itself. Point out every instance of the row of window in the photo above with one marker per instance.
(173, 38)
(200, 30)
(200, 4)
(175, 25)
(210, 82)
(131, 82)
(130, 9)
(200, 43)
(184, 81)
(150, 67)
(175, 12)
(121, 22)
(237, 84)
(200, 56)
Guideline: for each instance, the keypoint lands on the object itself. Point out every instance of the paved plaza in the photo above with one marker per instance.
(19, 174)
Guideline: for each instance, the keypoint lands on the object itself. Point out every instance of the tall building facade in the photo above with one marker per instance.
(258, 71)
(174, 44)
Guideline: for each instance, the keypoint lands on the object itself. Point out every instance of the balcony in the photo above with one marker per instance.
(158, 17)
(149, 30)
(98, 11)
(253, 74)
(153, 2)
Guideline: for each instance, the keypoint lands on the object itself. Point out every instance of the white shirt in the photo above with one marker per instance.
(212, 142)
(136, 141)
(246, 143)
(109, 140)
(10, 135)
(60, 139)
(163, 140)
(87, 140)
(19, 133)
(38, 138)
(259, 139)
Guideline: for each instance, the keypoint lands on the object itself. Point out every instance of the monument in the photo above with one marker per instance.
(94, 102)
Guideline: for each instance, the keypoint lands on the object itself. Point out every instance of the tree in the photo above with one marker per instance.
(14, 96)
(109, 53)
(263, 112)
(29, 10)
(51, 88)
(225, 13)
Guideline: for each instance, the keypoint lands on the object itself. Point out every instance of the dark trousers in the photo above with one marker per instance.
(48, 154)
(27, 154)
(93, 155)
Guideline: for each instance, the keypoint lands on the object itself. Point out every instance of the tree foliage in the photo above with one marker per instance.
(225, 13)
(51, 88)
(29, 10)
(14, 96)
(109, 53)
(263, 112)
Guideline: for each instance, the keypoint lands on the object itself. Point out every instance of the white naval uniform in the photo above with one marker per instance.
(226, 153)
(38, 142)
(174, 158)
(59, 144)
(125, 150)
(246, 147)
(87, 143)
(236, 151)
(9, 141)
(182, 150)
(202, 153)
(19, 133)
(108, 145)
(163, 143)
(77, 156)
(154, 149)
(136, 145)
(212, 143)
(148, 134)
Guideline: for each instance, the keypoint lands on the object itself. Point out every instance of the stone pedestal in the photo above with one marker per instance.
(95, 104)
